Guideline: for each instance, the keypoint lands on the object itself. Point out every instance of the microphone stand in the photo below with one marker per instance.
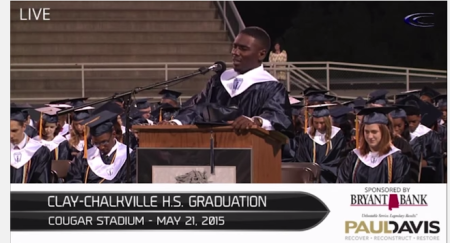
(127, 97)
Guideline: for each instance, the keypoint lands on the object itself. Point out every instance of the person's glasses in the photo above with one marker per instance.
(103, 143)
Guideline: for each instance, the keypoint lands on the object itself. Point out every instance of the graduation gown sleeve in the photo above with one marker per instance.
(288, 151)
(64, 151)
(434, 171)
(38, 168)
(408, 151)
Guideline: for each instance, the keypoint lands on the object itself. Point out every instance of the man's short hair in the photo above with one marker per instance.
(259, 34)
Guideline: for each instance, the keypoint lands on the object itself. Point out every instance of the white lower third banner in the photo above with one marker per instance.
(229, 212)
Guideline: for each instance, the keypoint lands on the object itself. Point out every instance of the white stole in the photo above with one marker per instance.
(420, 131)
(51, 145)
(20, 157)
(319, 138)
(103, 170)
(372, 159)
(257, 75)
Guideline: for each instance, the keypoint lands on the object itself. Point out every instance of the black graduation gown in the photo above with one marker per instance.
(350, 172)
(31, 131)
(134, 143)
(268, 100)
(38, 167)
(53, 147)
(288, 150)
(431, 152)
(409, 152)
(328, 162)
(102, 170)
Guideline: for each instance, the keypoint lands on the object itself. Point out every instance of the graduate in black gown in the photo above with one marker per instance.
(105, 162)
(78, 137)
(401, 132)
(289, 149)
(376, 160)
(322, 143)
(427, 94)
(145, 108)
(29, 130)
(63, 120)
(262, 99)
(30, 161)
(441, 104)
(49, 130)
(420, 121)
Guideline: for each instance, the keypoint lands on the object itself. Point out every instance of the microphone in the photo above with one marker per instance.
(218, 67)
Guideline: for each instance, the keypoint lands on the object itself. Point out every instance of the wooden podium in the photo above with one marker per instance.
(264, 147)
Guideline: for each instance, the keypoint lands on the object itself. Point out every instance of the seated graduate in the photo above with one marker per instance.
(105, 162)
(145, 108)
(63, 120)
(169, 97)
(78, 136)
(261, 97)
(377, 98)
(164, 112)
(427, 94)
(441, 104)
(401, 132)
(30, 161)
(322, 143)
(420, 120)
(29, 130)
(376, 160)
(289, 149)
(312, 97)
(49, 130)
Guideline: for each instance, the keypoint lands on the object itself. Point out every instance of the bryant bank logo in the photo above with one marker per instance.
(388, 200)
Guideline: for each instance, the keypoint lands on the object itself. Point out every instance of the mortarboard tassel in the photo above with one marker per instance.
(85, 141)
(357, 133)
(40, 125)
(306, 120)
(160, 115)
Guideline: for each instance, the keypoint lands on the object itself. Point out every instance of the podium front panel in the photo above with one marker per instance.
(192, 165)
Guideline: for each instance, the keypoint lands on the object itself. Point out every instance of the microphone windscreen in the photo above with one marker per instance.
(220, 67)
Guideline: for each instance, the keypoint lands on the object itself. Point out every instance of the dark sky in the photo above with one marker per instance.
(357, 32)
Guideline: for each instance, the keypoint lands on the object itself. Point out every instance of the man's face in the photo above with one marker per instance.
(104, 142)
(444, 113)
(247, 53)
(413, 122)
(169, 101)
(146, 112)
(16, 132)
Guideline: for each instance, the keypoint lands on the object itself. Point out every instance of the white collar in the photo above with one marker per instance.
(256, 75)
(372, 159)
(103, 170)
(420, 131)
(65, 129)
(20, 157)
(51, 145)
(80, 145)
(319, 138)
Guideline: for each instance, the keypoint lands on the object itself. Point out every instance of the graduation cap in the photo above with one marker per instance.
(82, 113)
(402, 111)
(74, 102)
(17, 114)
(331, 98)
(308, 90)
(376, 115)
(158, 112)
(59, 106)
(430, 115)
(320, 110)
(142, 104)
(317, 96)
(170, 94)
(99, 124)
(293, 100)
(296, 108)
(49, 115)
(378, 97)
(428, 91)
(109, 106)
(339, 114)
(441, 101)
(413, 101)
(405, 94)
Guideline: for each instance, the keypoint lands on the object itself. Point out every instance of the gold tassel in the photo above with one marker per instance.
(40, 125)
(85, 141)
(306, 120)
(160, 115)
(357, 133)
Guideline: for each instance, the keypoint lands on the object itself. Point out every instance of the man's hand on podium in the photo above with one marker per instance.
(243, 123)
